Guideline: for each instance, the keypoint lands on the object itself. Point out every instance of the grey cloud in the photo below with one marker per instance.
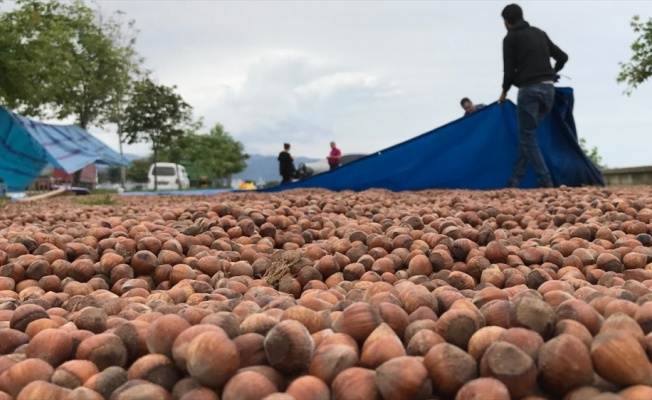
(289, 96)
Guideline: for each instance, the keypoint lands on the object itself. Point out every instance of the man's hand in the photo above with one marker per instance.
(502, 98)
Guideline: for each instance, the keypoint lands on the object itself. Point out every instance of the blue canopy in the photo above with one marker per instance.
(27, 146)
(473, 152)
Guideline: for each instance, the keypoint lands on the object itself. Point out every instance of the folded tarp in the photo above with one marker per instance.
(27, 146)
(473, 152)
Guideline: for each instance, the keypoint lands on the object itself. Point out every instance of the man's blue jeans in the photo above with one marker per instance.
(534, 103)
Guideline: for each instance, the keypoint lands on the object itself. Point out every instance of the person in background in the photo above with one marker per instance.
(469, 107)
(526, 56)
(334, 157)
(286, 164)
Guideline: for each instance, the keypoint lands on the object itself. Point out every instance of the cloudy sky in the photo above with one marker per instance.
(370, 74)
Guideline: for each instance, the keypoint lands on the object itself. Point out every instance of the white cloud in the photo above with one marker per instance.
(370, 74)
(290, 96)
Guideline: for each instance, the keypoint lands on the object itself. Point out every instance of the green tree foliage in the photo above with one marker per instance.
(639, 69)
(113, 174)
(139, 170)
(64, 59)
(29, 79)
(222, 155)
(592, 154)
(156, 114)
(214, 154)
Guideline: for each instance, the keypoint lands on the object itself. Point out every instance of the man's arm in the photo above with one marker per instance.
(559, 56)
(509, 73)
(509, 70)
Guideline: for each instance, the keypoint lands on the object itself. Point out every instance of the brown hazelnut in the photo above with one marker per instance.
(403, 378)
(13, 380)
(162, 333)
(308, 387)
(155, 368)
(450, 367)
(289, 347)
(104, 350)
(51, 345)
(74, 373)
(107, 381)
(247, 385)
(204, 366)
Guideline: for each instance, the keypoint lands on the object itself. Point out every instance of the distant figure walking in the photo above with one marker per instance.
(286, 164)
(526, 55)
(334, 157)
(469, 107)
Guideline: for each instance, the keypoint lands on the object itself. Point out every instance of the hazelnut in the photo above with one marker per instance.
(140, 390)
(380, 346)
(450, 367)
(74, 373)
(104, 350)
(162, 333)
(51, 345)
(181, 343)
(510, 365)
(155, 368)
(107, 381)
(564, 364)
(403, 378)
(204, 366)
(247, 385)
(331, 359)
(483, 387)
(43, 390)
(14, 379)
(289, 347)
(25, 314)
(620, 358)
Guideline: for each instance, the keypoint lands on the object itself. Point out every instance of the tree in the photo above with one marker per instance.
(156, 114)
(639, 69)
(29, 38)
(65, 59)
(592, 154)
(123, 35)
(139, 170)
(222, 155)
(215, 154)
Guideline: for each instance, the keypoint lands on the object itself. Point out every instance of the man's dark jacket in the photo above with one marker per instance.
(526, 55)
(286, 165)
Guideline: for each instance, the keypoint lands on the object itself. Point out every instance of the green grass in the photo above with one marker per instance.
(97, 200)
(3, 201)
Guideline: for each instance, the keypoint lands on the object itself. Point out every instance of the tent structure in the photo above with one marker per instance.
(27, 146)
(473, 152)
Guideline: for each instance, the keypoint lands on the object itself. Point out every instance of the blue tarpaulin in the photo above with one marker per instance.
(473, 152)
(27, 146)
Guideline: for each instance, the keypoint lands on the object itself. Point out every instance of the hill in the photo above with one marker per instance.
(265, 168)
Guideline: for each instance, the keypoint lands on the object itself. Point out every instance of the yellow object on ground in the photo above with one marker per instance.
(246, 186)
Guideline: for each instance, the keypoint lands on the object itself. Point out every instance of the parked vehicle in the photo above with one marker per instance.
(169, 176)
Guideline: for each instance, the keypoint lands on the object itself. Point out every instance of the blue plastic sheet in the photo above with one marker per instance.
(473, 152)
(27, 146)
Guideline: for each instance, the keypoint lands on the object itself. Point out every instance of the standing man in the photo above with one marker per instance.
(334, 157)
(469, 107)
(286, 164)
(526, 55)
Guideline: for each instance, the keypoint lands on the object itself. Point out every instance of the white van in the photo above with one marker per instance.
(168, 176)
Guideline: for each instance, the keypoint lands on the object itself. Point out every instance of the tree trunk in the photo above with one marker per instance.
(155, 172)
(76, 180)
(176, 167)
(123, 170)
